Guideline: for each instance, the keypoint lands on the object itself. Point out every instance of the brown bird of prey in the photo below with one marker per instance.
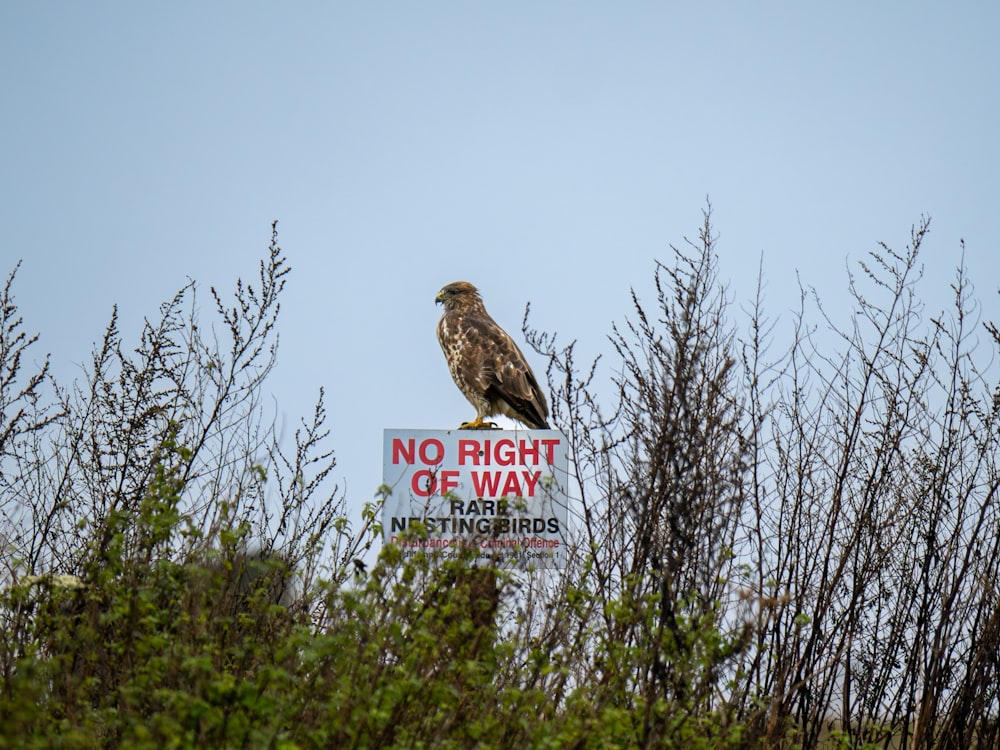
(486, 364)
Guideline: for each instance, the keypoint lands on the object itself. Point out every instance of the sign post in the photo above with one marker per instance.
(500, 492)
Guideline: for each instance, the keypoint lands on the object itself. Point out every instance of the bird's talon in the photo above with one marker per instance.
(477, 425)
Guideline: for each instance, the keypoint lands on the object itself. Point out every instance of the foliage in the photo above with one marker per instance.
(792, 549)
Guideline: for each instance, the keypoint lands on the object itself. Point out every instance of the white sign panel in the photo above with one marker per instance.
(503, 492)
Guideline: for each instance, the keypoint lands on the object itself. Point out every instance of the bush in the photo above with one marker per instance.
(173, 578)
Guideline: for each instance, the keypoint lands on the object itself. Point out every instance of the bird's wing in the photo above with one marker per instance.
(494, 366)
(514, 382)
(513, 377)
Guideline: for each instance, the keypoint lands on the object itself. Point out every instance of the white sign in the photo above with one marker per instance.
(503, 492)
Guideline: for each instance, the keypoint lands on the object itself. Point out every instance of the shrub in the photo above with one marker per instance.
(790, 549)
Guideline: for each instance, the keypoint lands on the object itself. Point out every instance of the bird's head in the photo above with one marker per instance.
(456, 293)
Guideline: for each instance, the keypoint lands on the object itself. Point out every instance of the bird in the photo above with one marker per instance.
(485, 363)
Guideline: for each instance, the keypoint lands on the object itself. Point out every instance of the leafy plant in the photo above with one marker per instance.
(790, 548)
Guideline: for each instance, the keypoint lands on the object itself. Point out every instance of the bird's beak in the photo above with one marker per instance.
(439, 299)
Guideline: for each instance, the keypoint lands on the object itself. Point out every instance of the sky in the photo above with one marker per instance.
(549, 152)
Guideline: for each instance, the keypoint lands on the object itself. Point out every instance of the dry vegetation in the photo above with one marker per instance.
(778, 545)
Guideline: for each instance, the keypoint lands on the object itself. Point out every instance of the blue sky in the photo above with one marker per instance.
(545, 151)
